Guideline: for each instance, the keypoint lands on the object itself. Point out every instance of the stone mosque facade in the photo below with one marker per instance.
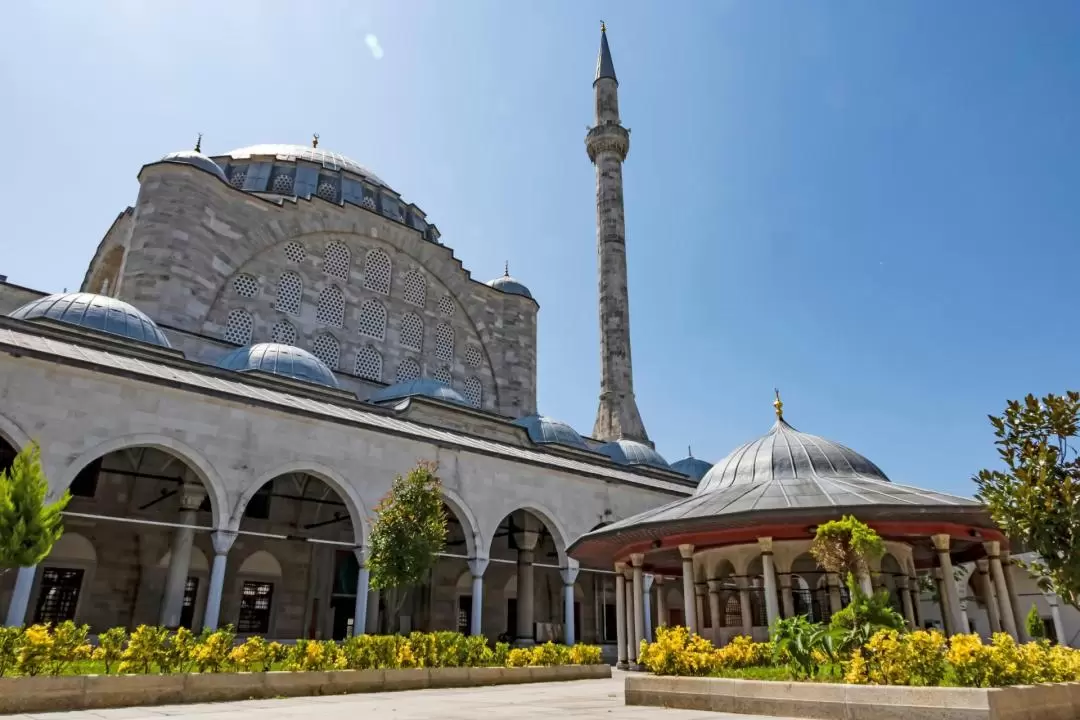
(261, 343)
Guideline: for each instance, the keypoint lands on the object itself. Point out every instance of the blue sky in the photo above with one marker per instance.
(872, 205)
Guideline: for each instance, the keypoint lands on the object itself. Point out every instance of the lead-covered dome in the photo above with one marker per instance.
(196, 159)
(691, 466)
(422, 387)
(278, 359)
(632, 452)
(543, 430)
(509, 285)
(291, 153)
(96, 312)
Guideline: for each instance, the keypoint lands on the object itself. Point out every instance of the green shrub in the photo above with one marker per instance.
(501, 656)
(10, 643)
(477, 652)
(1034, 624)
(211, 652)
(68, 645)
(110, 647)
(35, 650)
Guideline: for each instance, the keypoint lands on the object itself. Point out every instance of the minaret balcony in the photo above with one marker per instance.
(608, 138)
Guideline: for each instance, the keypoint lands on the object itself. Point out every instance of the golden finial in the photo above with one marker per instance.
(779, 405)
(198, 143)
(315, 140)
(506, 268)
(603, 27)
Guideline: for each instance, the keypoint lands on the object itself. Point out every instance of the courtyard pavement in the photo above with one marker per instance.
(577, 700)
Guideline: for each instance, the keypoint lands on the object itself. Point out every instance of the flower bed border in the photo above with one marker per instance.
(84, 692)
(834, 701)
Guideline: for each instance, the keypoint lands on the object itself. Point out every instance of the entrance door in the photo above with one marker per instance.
(675, 616)
(464, 614)
(343, 609)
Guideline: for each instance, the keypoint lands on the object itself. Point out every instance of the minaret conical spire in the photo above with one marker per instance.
(605, 67)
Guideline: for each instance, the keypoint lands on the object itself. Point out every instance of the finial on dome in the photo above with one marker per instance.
(603, 27)
(198, 143)
(506, 268)
(778, 404)
(689, 451)
(315, 140)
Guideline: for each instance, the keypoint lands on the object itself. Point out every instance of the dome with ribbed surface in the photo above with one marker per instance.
(693, 467)
(277, 359)
(544, 430)
(423, 387)
(510, 286)
(632, 452)
(292, 153)
(197, 159)
(96, 312)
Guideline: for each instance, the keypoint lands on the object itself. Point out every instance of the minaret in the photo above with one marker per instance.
(608, 142)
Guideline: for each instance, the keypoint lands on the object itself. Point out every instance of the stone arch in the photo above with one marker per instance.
(261, 563)
(13, 433)
(198, 562)
(719, 569)
(198, 464)
(548, 518)
(73, 547)
(335, 480)
(465, 516)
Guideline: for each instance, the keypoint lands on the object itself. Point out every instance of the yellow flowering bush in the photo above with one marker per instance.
(110, 647)
(315, 655)
(892, 658)
(68, 646)
(585, 655)
(519, 657)
(679, 652)
(743, 652)
(35, 650)
(257, 655)
(10, 642)
(211, 653)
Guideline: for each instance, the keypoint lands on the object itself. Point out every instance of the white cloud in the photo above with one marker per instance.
(373, 45)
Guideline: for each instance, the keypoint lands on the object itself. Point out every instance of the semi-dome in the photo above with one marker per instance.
(278, 359)
(691, 466)
(96, 312)
(422, 387)
(509, 285)
(193, 157)
(543, 430)
(291, 153)
(632, 452)
(786, 456)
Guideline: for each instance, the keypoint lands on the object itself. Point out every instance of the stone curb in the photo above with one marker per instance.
(85, 692)
(834, 701)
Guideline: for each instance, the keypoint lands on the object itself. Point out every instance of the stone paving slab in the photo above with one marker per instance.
(574, 700)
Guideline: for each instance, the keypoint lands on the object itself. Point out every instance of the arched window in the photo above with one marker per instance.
(369, 364)
(408, 370)
(473, 392)
(284, 333)
(444, 342)
(446, 306)
(443, 375)
(290, 291)
(294, 252)
(412, 332)
(372, 320)
(246, 286)
(327, 349)
(238, 327)
(336, 261)
(415, 291)
(733, 610)
(473, 356)
(282, 182)
(331, 308)
(377, 272)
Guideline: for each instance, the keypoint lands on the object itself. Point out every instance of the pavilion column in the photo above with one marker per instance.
(786, 595)
(1019, 617)
(986, 587)
(769, 571)
(965, 621)
(947, 617)
(362, 582)
(569, 577)
(914, 590)
(20, 598)
(1008, 620)
(637, 560)
(661, 603)
(951, 597)
(905, 600)
(744, 606)
(373, 612)
(1059, 626)
(620, 615)
(222, 541)
(172, 603)
(690, 616)
(836, 602)
(701, 595)
(477, 567)
(525, 540)
(631, 645)
(714, 608)
(647, 581)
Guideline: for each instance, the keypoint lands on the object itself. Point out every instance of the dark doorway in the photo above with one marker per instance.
(343, 609)
(464, 614)
(511, 617)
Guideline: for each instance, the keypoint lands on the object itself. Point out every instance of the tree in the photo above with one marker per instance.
(28, 526)
(407, 536)
(846, 547)
(1035, 500)
(1034, 623)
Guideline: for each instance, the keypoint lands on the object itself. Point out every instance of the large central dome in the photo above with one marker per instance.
(292, 153)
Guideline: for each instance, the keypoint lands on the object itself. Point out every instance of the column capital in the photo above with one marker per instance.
(192, 495)
(628, 573)
(525, 540)
(700, 589)
(938, 574)
(901, 582)
(687, 552)
(637, 559)
(785, 580)
(223, 541)
(941, 542)
(620, 568)
(715, 586)
(993, 549)
(360, 552)
(1052, 600)
(765, 543)
(658, 579)
(477, 566)
(982, 565)
(570, 572)
(647, 581)
(1006, 556)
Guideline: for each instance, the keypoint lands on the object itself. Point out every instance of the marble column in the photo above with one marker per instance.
(836, 602)
(620, 615)
(569, 577)
(1008, 620)
(965, 621)
(744, 605)
(631, 634)
(689, 607)
(700, 598)
(20, 597)
(362, 587)
(172, 602)
(769, 571)
(647, 605)
(637, 560)
(1019, 616)
(1059, 626)
(373, 612)
(986, 587)
(714, 609)
(948, 619)
(915, 591)
(222, 541)
(905, 599)
(786, 595)
(477, 567)
(950, 597)
(661, 603)
(525, 541)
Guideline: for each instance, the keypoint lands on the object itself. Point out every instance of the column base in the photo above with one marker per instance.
(622, 665)
(636, 667)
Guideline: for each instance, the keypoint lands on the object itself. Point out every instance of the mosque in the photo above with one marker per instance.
(269, 335)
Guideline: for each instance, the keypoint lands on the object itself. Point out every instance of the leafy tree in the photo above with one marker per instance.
(846, 547)
(1034, 623)
(408, 534)
(28, 525)
(1035, 500)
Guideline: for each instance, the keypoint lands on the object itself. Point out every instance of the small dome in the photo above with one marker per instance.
(191, 157)
(509, 285)
(691, 467)
(96, 312)
(278, 359)
(632, 452)
(424, 387)
(544, 430)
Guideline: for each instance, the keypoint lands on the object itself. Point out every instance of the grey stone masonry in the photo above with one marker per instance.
(607, 144)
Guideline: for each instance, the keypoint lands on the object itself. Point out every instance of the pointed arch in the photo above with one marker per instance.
(13, 433)
(331, 307)
(290, 292)
(337, 260)
(548, 518)
(377, 271)
(465, 516)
